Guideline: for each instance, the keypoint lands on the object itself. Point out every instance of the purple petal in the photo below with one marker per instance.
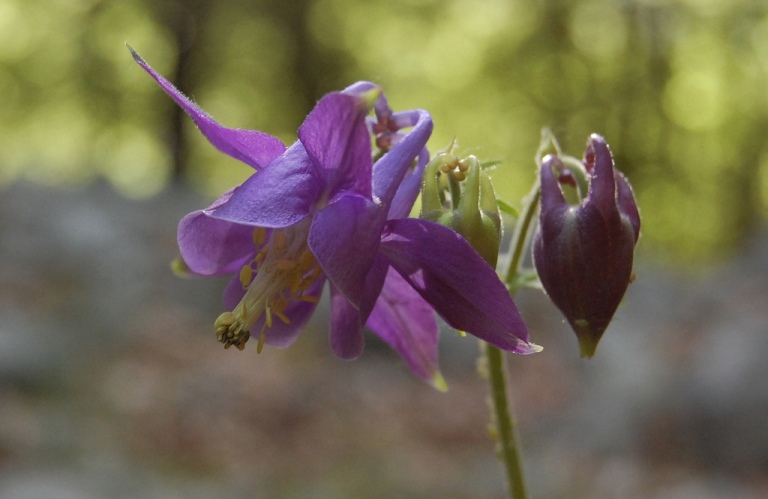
(360, 87)
(627, 203)
(214, 247)
(252, 147)
(344, 238)
(346, 328)
(602, 185)
(552, 198)
(346, 335)
(407, 323)
(337, 139)
(456, 281)
(409, 189)
(381, 106)
(278, 196)
(374, 282)
(233, 293)
(388, 172)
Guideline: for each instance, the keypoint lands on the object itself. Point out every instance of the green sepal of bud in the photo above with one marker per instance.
(474, 212)
(432, 207)
(478, 218)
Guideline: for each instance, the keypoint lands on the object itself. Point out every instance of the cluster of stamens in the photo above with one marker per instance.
(455, 167)
(281, 272)
(385, 131)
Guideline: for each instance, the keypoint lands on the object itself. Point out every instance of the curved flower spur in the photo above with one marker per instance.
(320, 209)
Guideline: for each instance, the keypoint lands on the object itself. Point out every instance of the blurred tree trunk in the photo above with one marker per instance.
(185, 20)
(314, 73)
(744, 187)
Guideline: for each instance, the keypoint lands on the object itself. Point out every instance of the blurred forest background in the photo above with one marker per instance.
(111, 385)
(678, 88)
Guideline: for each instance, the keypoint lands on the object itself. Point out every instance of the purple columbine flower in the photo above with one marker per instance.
(583, 254)
(321, 210)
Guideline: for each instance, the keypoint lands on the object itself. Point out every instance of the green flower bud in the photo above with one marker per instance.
(459, 194)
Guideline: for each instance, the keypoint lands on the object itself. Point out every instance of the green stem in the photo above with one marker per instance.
(506, 426)
(520, 237)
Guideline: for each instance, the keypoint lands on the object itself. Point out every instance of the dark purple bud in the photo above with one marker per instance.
(583, 254)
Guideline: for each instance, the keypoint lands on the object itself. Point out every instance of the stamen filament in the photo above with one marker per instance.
(280, 240)
(286, 264)
(282, 316)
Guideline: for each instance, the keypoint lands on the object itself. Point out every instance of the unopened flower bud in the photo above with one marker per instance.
(583, 253)
(473, 211)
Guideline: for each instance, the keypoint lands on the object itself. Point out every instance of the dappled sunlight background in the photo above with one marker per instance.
(677, 88)
(106, 360)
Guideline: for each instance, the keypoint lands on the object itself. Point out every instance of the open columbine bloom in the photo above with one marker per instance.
(583, 254)
(321, 210)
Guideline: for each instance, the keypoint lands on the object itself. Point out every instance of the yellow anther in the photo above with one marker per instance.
(286, 264)
(282, 316)
(459, 176)
(260, 257)
(229, 331)
(446, 168)
(246, 275)
(281, 304)
(307, 260)
(259, 235)
(260, 344)
(224, 321)
(268, 313)
(463, 167)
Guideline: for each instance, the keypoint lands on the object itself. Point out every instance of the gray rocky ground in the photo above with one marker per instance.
(112, 384)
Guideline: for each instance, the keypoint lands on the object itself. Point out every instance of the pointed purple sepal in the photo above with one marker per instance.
(252, 147)
(275, 197)
(449, 274)
(405, 321)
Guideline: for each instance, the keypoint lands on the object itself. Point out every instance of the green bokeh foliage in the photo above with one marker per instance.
(678, 88)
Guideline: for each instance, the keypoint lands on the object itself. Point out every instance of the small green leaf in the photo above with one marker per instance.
(508, 209)
(489, 164)
(525, 278)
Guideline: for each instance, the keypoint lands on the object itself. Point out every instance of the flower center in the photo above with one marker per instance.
(280, 273)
